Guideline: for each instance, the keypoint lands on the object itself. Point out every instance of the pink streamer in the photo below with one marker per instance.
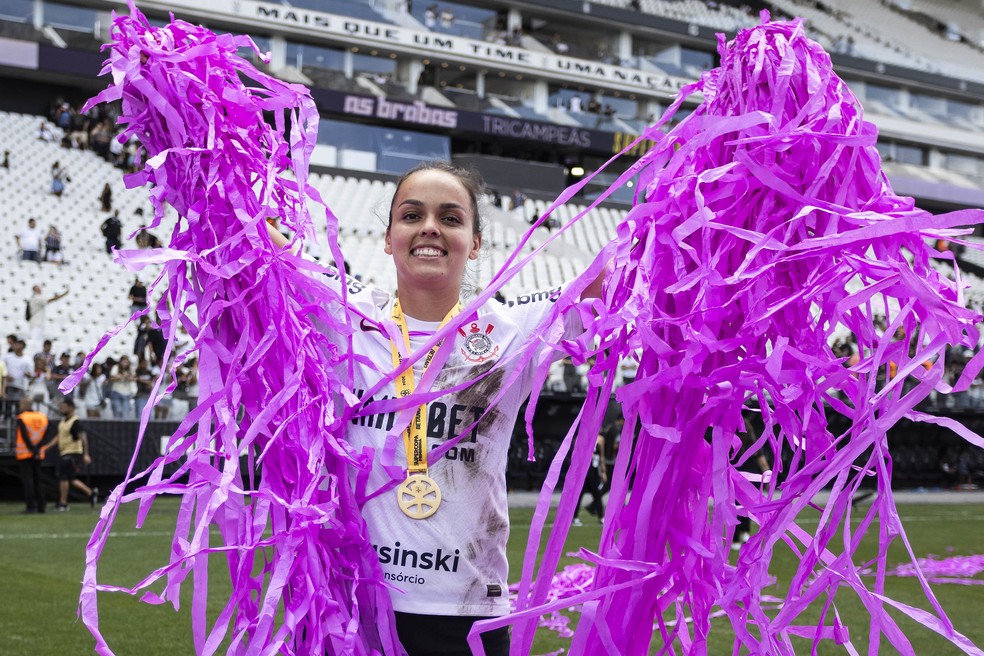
(754, 217)
(260, 457)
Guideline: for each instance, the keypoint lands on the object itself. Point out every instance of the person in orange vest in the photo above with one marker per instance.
(31, 427)
(73, 454)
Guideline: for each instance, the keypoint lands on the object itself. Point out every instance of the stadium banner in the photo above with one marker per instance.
(424, 43)
(419, 114)
(19, 54)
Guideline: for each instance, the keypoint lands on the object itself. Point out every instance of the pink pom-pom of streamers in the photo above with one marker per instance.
(261, 457)
(764, 228)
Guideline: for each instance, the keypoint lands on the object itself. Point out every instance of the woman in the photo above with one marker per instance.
(122, 388)
(441, 535)
(106, 198)
(91, 391)
(58, 179)
(52, 245)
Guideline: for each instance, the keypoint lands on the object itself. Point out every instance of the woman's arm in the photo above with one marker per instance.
(276, 236)
(594, 289)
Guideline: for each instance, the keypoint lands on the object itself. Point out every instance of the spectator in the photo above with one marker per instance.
(116, 156)
(59, 373)
(31, 427)
(156, 342)
(137, 296)
(46, 354)
(106, 198)
(447, 18)
(147, 239)
(45, 133)
(559, 45)
(38, 388)
(36, 307)
(111, 229)
(79, 136)
(73, 455)
(131, 155)
(145, 384)
(29, 242)
(63, 117)
(430, 17)
(5, 164)
(518, 199)
(52, 246)
(122, 388)
(99, 139)
(576, 105)
(140, 344)
(91, 390)
(59, 177)
(3, 379)
(19, 370)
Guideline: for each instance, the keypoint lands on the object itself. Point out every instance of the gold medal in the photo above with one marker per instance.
(419, 496)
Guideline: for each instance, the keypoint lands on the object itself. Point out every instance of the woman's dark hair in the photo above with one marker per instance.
(469, 178)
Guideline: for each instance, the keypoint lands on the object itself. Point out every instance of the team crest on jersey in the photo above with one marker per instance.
(478, 346)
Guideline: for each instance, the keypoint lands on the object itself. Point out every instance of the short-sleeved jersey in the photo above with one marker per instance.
(453, 562)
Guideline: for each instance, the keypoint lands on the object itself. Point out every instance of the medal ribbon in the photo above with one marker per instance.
(415, 434)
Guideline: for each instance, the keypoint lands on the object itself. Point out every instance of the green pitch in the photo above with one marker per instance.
(42, 559)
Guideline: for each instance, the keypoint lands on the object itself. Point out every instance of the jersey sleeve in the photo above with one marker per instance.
(528, 311)
(363, 302)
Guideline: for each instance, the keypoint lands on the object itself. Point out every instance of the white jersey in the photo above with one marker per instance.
(453, 562)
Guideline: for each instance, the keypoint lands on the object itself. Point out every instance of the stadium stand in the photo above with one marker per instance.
(919, 81)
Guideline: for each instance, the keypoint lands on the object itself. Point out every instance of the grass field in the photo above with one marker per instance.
(42, 560)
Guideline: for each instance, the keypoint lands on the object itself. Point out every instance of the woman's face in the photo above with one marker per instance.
(431, 235)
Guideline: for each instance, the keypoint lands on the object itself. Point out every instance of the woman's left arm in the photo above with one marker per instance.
(594, 289)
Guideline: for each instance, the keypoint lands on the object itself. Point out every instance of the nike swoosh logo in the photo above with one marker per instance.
(368, 327)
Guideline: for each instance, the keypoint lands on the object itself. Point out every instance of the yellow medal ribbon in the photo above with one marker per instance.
(419, 496)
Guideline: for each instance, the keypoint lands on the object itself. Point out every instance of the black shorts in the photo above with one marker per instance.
(69, 466)
(443, 635)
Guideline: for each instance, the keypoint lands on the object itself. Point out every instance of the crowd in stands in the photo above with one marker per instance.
(115, 387)
(93, 130)
(111, 388)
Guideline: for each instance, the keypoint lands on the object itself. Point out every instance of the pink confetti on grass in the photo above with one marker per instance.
(959, 570)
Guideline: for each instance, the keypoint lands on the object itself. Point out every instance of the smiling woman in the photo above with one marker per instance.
(434, 229)
(442, 539)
